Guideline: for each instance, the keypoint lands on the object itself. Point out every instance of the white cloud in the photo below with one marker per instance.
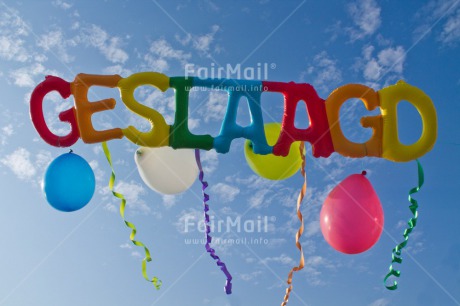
(372, 70)
(228, 211)
(75, 25)
(388, 63)
(415, 247)
(62, 4)
(253, 181)
(136, 254)
(211, 5)
(13, 49)
(334, 166)
(417, 241)
(11, 23)
(401, 224)
(193, 123)
(210, 161)
(54, 41)
(249, 259)
(163, 49)
(318, 260)
(117, 69)
(109, 46)
(366, 18)
(282, 259)
(6, 132)
(309, 247)
(310, 208)
(98, 172)
(451, 29)
(24, 77)
(20, 163)
(225, 192)
(312, 228)
(169, 200)
(13, 31)
(156, 63)
(187, 220)
(43, 159)
(262, 192)
(380, 302)
(216, 106)
(111, 208)
(113, 52)
(393, 58)
(274, 243)
(133, 192)
(183, 40)
(314, 266)
(201, 43)
(160, 52)
(250, 276)
(325, 73)
(258, 199)
(447, 13)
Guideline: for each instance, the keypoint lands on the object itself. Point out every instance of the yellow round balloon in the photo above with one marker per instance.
(270, 166)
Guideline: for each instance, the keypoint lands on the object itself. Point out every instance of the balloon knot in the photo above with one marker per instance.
(364, 172)
(71, 151)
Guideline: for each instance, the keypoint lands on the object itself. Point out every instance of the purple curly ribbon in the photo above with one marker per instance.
(211, 251)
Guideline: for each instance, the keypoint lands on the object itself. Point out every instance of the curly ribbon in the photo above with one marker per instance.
(300, 231)
(156, 282)
(211, 251)
(396, 253)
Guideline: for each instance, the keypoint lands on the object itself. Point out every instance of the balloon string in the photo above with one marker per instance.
(211, 251)
(300, 231)
(396, 253)
(156, 282)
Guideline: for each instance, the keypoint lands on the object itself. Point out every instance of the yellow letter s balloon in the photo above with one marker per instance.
(158, 135)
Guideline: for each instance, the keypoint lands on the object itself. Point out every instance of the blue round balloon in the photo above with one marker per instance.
(69, 182)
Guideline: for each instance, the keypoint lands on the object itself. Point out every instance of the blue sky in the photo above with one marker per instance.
(85, 258)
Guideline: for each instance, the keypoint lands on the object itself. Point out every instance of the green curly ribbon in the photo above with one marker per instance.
(396, 253)
(156, 282)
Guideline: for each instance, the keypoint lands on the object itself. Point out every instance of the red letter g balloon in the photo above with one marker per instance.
(36, 112)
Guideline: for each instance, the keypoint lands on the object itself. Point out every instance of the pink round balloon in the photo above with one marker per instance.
(352, 217)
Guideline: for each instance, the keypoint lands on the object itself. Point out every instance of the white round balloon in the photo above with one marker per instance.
(166, 170)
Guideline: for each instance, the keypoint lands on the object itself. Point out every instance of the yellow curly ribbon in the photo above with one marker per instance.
(300, 231)
(156, 282)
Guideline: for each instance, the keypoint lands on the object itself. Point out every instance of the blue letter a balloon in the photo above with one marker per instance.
(69, 182)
